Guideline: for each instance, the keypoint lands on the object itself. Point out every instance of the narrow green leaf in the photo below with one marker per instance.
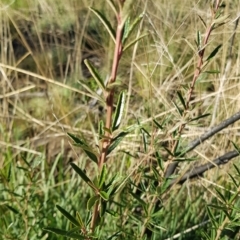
(96, 182)
(113, 6)
(145, 140)
(103, 208)
(139, 200)
(105, 22)
(102, 176)
(236, 147)
(214, 52)
(73, 231)
(9, 172)
(158, 124)
(76, 139)
(203, 22)
(237, 169)
(145, 131)
(25, 160)
(156, 173)
(114, 179)
(134, 41)
(76, 236)
(95, 74)
(92, 201)
(212, 71)
(199, 40)
(135, 22)
(180, 111)
(90, 153)
(202, 76)
(164, 186)
(113, 85)
(22, 168)
(223, 209)
(68, 216)
(126, 30)
(129, 28)
(101, 131)
(79, 219)
(116, 141)
(114, 214)
(199, 117)
(93, 93)
(64, 233)
(221, 196)
(56, 231)
(12, 209)
(104, 195)
(181, 99)
(211, 216)
(112, 190)
(113, 185)
(168, 151)
(159, 160)
(218, 12)
(114, 235)
(108, 130)
(206, 236)
(84, 177)
(119, 111)
(234, 180)
(219, 19)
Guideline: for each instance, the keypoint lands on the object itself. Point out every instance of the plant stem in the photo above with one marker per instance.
(95, 216)
(172, 166)
(109, 108)
(110, 93)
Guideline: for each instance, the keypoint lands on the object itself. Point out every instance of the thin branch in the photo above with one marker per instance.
(198, 171)
(172, 167)
(233, 37)
(190, 229)
(110, 93)
(213, 131)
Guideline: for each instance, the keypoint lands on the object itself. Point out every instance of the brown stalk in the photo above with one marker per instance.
(109, 108)
(110, 92)
(172, 166)
(95, 216)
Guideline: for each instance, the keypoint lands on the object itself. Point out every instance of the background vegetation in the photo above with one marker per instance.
(47, 91)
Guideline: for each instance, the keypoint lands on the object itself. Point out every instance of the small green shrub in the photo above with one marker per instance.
(134, 170)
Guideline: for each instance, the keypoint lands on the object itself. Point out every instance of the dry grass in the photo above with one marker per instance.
(42, 47)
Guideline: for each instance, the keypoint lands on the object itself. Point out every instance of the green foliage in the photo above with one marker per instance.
(224, 215)
(129, 174)
(119, 111)
(88, 150)
(106, 23)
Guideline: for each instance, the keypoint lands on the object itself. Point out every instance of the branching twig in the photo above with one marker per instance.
(196, 75)
(225, 73)
(172, 167)
(109, 97)
(110, 92)
(197, 171)
(213, 131)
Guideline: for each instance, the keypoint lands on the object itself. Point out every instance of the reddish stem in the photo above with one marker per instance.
(109, 103)
(110, 93)
(195, 77)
